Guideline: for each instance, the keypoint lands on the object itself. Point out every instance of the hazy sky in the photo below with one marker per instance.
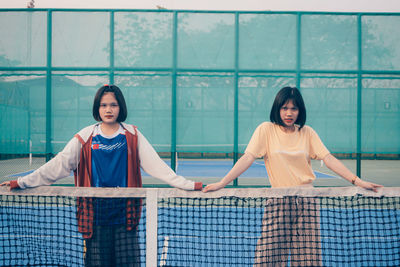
(256, 5)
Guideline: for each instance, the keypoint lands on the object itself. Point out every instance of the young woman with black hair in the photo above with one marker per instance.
(287, 146)
(107, 154)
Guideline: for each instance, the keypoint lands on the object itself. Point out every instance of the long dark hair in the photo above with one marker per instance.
(282, 97)
(123, 112)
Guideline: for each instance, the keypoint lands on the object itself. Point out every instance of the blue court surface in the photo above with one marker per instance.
(199, 168)
(195, 241)
(206, 168)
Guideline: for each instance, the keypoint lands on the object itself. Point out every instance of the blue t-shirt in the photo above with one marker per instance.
(109, 169)
(109, 160)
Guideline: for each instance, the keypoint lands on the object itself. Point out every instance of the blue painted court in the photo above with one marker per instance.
(193, 168)
(209, 168)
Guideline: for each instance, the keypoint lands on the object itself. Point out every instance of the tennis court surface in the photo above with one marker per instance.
(201, 168)
(205, 171)
(383, 172)
(231, 227)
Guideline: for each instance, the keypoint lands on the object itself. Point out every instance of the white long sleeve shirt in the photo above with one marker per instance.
(68, 159)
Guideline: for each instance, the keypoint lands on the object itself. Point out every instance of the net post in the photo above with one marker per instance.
(48, 103)
(30, 152)
(151, 226)
(359, 95)
(236, 99)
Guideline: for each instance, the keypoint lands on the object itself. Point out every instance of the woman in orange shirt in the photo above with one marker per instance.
(287, 146)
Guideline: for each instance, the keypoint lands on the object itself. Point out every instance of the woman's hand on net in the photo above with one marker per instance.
(213, 187)
(7, 184)
(368, 185)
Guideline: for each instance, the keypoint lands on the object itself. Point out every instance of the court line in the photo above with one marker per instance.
(164, 253)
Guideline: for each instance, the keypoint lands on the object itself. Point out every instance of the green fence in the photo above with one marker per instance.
(199, 82)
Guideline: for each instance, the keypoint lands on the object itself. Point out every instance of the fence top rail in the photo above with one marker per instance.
(340, 13)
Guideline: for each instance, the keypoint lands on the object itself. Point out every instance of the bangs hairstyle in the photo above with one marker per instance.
(283, 96)
(120, 99)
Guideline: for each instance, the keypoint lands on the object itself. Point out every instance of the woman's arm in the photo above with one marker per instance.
(152, 164)
(58, 167)
(335, 165)
(241, 166)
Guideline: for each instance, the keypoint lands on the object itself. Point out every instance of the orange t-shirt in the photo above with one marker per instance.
(287, 156)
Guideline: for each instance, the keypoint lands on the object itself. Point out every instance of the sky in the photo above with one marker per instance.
(230, 5)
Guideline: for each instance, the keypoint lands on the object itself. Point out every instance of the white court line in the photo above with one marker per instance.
(164, 253)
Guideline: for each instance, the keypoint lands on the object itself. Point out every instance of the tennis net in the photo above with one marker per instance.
(65, 226)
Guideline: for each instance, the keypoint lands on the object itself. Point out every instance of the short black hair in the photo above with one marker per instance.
(123, 112)
(282, 97)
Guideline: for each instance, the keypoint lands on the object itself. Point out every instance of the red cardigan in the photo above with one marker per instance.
(83, 178)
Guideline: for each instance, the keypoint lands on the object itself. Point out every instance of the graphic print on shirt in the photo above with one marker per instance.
(113, 151)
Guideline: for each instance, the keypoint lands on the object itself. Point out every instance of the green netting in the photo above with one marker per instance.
(148, 95)
(205, 113)
(206, 40)
(380, 41)
(24, 39)
(331, 108)
(18, 139)
(381, 114)
(80, 39)
(22, 116)
(199, 81)
(143, 39)
(329, 42)
(267, 41)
